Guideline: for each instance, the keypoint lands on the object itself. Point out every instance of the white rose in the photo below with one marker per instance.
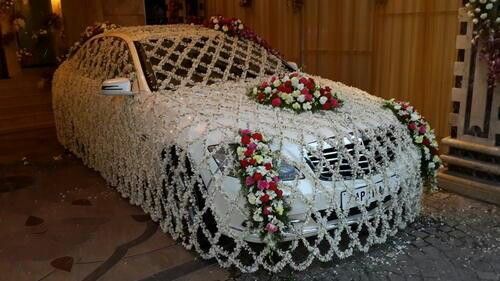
(317, 94)
(307, 106)
(240, 27)
(296, 93)
(300, 86)
(216, 27)
(484, 15)
(267, 90)
(295, 81)
(436, 159)
(323, 100)
(296, 106)
(415, 116)
(215, 20)
(497, 20)
(257, 217)
(475, 21)
(432, 165)
(225, 28)
(301, 98)
(276, 83)
(419, 139)
(255, 91)
(489, 6)
(252, 199)
(397, 107)
(477, 10)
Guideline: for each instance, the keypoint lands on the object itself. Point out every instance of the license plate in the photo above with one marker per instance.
(365, 195)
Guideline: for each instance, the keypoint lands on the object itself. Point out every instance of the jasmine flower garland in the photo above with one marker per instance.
(260, 184)
(423, 137)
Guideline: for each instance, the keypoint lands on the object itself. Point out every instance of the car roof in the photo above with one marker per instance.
(138, 33)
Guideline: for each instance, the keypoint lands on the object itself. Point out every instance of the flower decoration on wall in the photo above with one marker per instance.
(296, 92)
(261, 186)
(6, 6)
(423, 137)
(88, 33)
(485, 15)
(235, 27)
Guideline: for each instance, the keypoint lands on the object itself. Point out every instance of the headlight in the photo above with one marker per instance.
(222, 157)
(288, 172)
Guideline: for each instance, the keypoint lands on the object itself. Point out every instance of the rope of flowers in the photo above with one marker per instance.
(423, 137)
(296, 92)
(268, 212)
(485, 15)
(235, 27)
(89, 32)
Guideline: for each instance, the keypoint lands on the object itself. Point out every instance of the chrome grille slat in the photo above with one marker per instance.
(328, 158)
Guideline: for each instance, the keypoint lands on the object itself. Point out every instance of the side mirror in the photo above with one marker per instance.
(117, 87)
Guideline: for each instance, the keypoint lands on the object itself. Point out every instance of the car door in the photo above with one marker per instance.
(99, 125)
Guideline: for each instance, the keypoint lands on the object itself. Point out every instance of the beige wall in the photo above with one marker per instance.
(79, 14)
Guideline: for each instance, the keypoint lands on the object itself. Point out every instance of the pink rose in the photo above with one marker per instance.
(263, 185)
(249, 181)
(422, 130)
(305, 91)
(276, 102)
(271, 228)
(252, 146)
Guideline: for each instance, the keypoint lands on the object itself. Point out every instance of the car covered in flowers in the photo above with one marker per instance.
(234, 151)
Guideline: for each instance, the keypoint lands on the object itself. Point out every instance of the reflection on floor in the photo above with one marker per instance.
(60, 221)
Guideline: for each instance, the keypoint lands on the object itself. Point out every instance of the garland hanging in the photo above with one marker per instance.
(423, 137)
(485, 15)
(260, 181)
(296, 92)
(235, 27)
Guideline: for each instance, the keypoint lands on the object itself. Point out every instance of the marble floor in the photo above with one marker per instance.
(60, 221)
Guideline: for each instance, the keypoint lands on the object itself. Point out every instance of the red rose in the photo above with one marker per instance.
(266, 210)
(249, 152)
(257, 177)
(268, 166)
(257, 136)
(279, 193)
(244, 163)
(412, 126)
(308, 97)
(335, 103)
(245, 139)
(304, 91)
(273, 185)
(304, 80)
(261, 97)
(264, 85)
(252, 161)
(276, 102)
(327, 106)
(426, 142)
(264, 198)
(288, 84)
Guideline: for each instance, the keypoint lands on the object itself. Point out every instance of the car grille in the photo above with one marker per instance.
(329, 160)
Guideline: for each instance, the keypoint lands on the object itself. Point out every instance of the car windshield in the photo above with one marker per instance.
(170, 63)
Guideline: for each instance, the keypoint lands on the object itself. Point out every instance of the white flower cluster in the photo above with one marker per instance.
(485, 15)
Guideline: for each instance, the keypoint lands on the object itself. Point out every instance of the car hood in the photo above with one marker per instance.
(215, 113)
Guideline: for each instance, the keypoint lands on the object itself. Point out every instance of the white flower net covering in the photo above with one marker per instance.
(357, 178)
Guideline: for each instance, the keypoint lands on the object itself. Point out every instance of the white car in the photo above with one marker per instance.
(157, 110)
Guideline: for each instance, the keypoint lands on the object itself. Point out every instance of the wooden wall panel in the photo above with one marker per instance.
(401, 49)
(274, 20)
(413, 53)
